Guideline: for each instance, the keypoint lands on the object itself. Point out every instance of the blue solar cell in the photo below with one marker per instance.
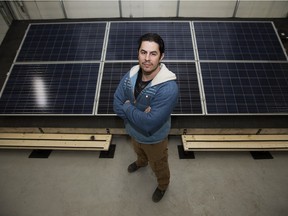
(238, 41)
(112, 74)
(50, 89)
(189, 100)
(237, 88)
(63, 42)
(123, 37)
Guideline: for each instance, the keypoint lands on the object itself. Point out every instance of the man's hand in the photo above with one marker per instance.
(148, 109)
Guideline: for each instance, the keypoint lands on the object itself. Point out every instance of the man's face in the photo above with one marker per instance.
(149, 56)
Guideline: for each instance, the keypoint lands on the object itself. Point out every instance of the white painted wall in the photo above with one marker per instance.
(3, 28)
(52, 9)
(266, 9)
(149, 8)
(92, 9)
(205, 8)
(49, 9)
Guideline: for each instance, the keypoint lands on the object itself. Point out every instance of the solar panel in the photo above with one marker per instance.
(112, 74)
(245, 88)
(63, 42)
(50, 89)
(123, 37)
(238, 41)
(242, 66)
(189, 100)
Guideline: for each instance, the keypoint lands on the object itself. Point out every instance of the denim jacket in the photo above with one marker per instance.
(160, 94)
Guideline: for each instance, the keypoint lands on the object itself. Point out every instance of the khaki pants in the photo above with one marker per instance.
(157, 156)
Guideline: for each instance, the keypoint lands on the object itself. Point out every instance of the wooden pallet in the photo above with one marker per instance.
(94, 142)
(235, 142)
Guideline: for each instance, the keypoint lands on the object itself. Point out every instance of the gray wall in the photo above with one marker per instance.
(72, 9)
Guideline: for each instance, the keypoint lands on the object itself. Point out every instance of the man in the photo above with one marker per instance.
(144, 99)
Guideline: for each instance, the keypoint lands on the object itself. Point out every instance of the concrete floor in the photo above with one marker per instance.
(76, 183)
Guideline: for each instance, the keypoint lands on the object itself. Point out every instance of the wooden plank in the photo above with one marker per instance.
(56, 141)
(114, 131)
(235, 142)
(103, 145)
(74, 130)
(274, 131)
(19, 130)
(217, 131)
(234, 137)
(49, 148)
(30, 136)
(246, 145)
(235, 149)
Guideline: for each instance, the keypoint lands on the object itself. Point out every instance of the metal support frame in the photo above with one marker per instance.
(63, 8)
(236, 8)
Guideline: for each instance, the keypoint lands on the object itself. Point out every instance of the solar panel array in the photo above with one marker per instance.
(189, 99)
(238, 41)
(50, 89)
(63, 42)
(56, 70)
(221, 67)
(123, 39)
(243, 68)
(179, 58)
(245, 87)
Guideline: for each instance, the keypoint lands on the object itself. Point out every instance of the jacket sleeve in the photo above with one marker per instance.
(119, 99)
(161, 108)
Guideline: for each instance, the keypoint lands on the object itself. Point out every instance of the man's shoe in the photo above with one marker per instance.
(158, 194)
(133, 167)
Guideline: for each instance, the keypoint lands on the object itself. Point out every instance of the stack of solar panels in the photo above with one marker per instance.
(55, 71)
(179, 58)
(74, 68)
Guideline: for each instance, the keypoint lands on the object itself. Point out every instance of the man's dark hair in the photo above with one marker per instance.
(152, 37)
